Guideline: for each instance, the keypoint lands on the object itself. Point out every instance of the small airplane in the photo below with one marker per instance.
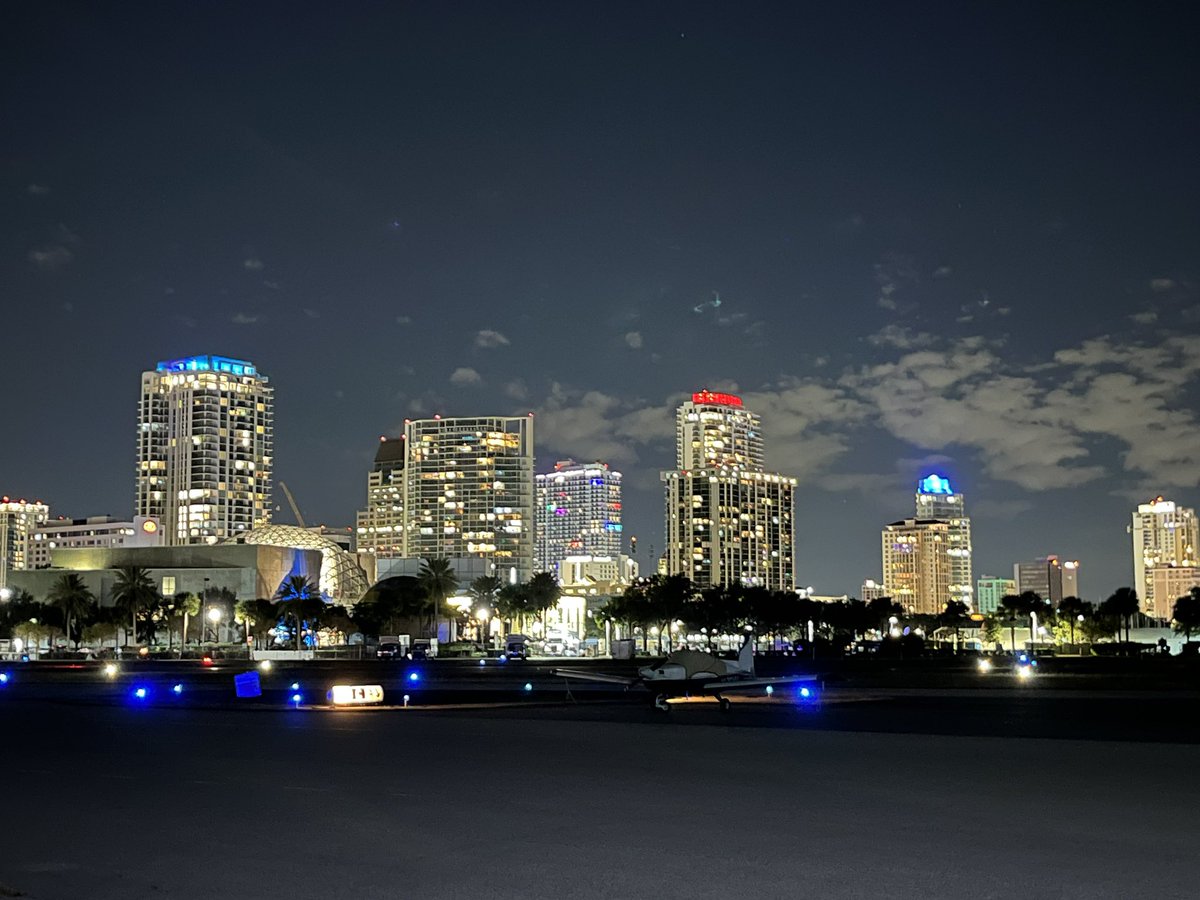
(687, 672)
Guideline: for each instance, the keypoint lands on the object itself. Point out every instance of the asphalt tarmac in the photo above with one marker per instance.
(605, 801)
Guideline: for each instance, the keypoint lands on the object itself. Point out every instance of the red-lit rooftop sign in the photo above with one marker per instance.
(712, 397)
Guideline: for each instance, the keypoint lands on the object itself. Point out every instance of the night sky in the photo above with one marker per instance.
(958, 236)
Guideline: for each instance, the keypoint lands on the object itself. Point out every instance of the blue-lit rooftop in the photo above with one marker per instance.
(208, 364)
(935, 484)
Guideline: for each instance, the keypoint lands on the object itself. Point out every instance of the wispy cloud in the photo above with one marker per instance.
(311, 313)
(37, 190)
(253, 263)
(943, 272)
(242, 318)
(1161, 285)
(489, 339)
(465, 376)
(403, 320)
(634, 340)
(51, 256)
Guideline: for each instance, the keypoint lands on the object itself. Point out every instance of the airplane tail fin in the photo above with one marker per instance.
(746, 655)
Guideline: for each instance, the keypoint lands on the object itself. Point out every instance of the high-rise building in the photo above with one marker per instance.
(1163, 535)
(916, 564)
(936, 499)
(379, 529)
(1048, 577)
(715, 431)
(727, 520)
(469, 491)
(990, 590)
(205, 429)
(578, 513)
(19, 522)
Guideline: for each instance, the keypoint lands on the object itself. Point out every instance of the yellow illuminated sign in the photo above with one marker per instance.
(355, 694)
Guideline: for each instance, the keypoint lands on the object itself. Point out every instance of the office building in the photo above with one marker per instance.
(379, 529)
(578, 513)
(728, 521)
(469, 491)
(93, 531)
(1048, 577)
(916, 564)
(205, 428)
(936, 499)
(990, 590)
(19, 522)
(1163, 535)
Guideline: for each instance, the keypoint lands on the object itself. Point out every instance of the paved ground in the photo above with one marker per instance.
(138, 803)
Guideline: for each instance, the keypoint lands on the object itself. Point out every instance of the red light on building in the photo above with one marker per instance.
(714, 398)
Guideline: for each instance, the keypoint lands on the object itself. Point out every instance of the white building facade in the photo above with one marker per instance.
(469, 491)
(916, 565)
(578, 513)
(19, 522)
(205, 448)
(1164, 534)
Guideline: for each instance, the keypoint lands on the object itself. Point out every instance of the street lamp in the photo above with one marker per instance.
(481, 616)
(214, 616)
(5, 594)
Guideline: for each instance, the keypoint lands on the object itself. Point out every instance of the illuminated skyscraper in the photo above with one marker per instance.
(728, 521)
(1163, 535)
(379, 529)
(19, 522)
(936, 499)
(916, 564)
(469, 491)
(715, 431)
(578, 513)
(205, 430)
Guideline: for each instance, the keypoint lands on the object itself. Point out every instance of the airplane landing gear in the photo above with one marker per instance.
(724, 704)
(660, 703)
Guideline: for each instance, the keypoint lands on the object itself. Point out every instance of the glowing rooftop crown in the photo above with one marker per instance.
(935, 484)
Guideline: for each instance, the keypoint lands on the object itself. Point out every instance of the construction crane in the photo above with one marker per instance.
(292, 503)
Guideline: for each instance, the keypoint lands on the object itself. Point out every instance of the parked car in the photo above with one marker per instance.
(390, 650)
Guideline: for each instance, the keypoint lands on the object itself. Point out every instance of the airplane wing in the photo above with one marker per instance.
(743, 684)
(581, 675)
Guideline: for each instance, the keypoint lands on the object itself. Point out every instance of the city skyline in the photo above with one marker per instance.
(907, 248)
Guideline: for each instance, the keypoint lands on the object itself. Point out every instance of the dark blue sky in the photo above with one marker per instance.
(957, 235)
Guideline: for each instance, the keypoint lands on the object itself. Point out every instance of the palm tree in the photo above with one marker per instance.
(953, 616)
(72, 598)
(299, 598)
(543, 595)
(1072, 608)
(1122, 604)
(134, 592)
(439, 582)
(513, 603)
(186, 605)
(1013, 610)
(1185, 617)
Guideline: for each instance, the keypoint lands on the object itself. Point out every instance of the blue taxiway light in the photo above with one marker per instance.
(3, 678)
(414, 676)
(295, 685)
(177, 689)
(140, 693)
(770, 690)
(528, 686)
(483, 662)
(296, 698)
(805, 693)
(503, 658)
